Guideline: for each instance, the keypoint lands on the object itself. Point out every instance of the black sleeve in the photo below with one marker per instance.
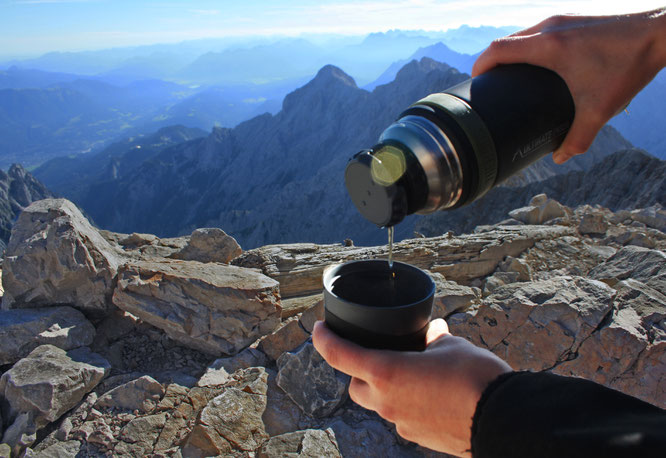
(524, 414)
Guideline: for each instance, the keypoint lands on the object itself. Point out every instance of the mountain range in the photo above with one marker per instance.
(276, 178)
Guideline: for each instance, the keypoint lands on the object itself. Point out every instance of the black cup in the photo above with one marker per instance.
(379, 307)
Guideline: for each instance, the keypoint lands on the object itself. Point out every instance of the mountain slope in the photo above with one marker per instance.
(278, 178)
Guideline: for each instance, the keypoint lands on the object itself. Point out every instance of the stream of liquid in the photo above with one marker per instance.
(390, 246)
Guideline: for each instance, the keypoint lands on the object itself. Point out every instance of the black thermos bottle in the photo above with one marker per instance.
(450, 148)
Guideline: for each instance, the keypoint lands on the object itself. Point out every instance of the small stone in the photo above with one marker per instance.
(310, 382)
(21, 434)
(593, 223)
(209, 245)
(308, 443)
(137, 395)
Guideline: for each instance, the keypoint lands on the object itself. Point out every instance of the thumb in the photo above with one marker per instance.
(436, 329)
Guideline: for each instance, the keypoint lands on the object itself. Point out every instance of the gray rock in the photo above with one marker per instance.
(281, 415)
(312, 443)
(450, 297)
(214, 308)
(138, 437)
(141, 394)
(21, 331)
(55, 256)
(66, 449)
(289, 336)
(654, 217)
(209, 245)
(511, 264)
(499, 279)
(540, 210)
(310, 382)
(21, 434)
(642, 264)
(370, 436)
(220, 370)
(628, 352)
(593, 223)
(629, 236)
(536, 325)
(49, 382)
(232, 420)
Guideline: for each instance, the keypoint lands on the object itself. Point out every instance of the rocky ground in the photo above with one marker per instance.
(130, 345)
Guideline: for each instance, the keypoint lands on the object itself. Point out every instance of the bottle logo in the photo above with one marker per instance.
(538, 142)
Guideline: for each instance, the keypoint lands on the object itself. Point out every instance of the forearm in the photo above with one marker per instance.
(657, 20)
(545, 415)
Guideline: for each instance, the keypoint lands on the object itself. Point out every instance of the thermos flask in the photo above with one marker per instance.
(450, 148)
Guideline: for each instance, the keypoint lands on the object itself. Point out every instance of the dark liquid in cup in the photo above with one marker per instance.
(379, 288)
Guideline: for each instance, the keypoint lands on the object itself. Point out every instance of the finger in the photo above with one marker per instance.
(359, 392)
(436, 329)
(579, 139)
(344, 355)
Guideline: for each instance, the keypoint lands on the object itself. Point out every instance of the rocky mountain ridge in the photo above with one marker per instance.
(126, 332)
(279, 178)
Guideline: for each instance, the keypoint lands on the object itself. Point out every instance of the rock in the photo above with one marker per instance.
(5, 451)
(642, 264)
(629, 352)
(295, 305)
(299, 267)
(21, 434)
(281, 415)
(49, 382)
(370, 436)
(534, 326)
(209, 245)
(139, 435)
(593, 224)
(141, 394)
(450, 297)
(66, 449)
(221, 368)
(654, 217)
(511, 264)
(540, 210)
(21, 331)
(629, 236)
(311, 315)
(310, 382)
(136, 240)
(232, 420)
(55, 256)
(309, 443)
(214, 308)
(497, 280)
(289, 336)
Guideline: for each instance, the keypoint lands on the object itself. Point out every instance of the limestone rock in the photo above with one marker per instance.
(55, 256)
(281, 415)
(209, 245)
(369, 435)
(642, 264)
(310, 382)
(232, 420)
(21, 331)
(312, 443)
(629, 236)
(139, 435)
(214, 308)
(534, 326)
(540, 210)
(299, 267)
(289, 336)
(141, 394)
(220, 370)
(49, 381)
(629, 353)
(21, 434)
(65, 449)
(311, 315)
(654, 216)
(450, 297)
(593, 223)
(511, 264)
(295, 305)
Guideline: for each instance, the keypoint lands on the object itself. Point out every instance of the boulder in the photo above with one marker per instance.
(593, 224)
(281, 415)
(654, 217)
(312, 315)
(141, 394)
(642, 264)
(232, 420)
(536, 325)
(450, 297)
(369, 435)
(310, 382)
(209, 245)
(214, 308)
(219, 372)
(55, 257)
(138, 437)
(540, 210)
(308, 443)
(629, 351)
(50, 381)
(21, 331)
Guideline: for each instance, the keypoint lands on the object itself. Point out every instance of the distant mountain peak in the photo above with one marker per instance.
(420, 67)
(330, 81)
(329, 73)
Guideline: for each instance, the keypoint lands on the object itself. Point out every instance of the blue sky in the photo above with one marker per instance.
(31, 27)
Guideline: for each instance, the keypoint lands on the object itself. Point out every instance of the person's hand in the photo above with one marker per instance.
(605, 61)
(431, 396)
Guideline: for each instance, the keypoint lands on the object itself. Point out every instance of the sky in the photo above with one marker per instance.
(33, 27)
